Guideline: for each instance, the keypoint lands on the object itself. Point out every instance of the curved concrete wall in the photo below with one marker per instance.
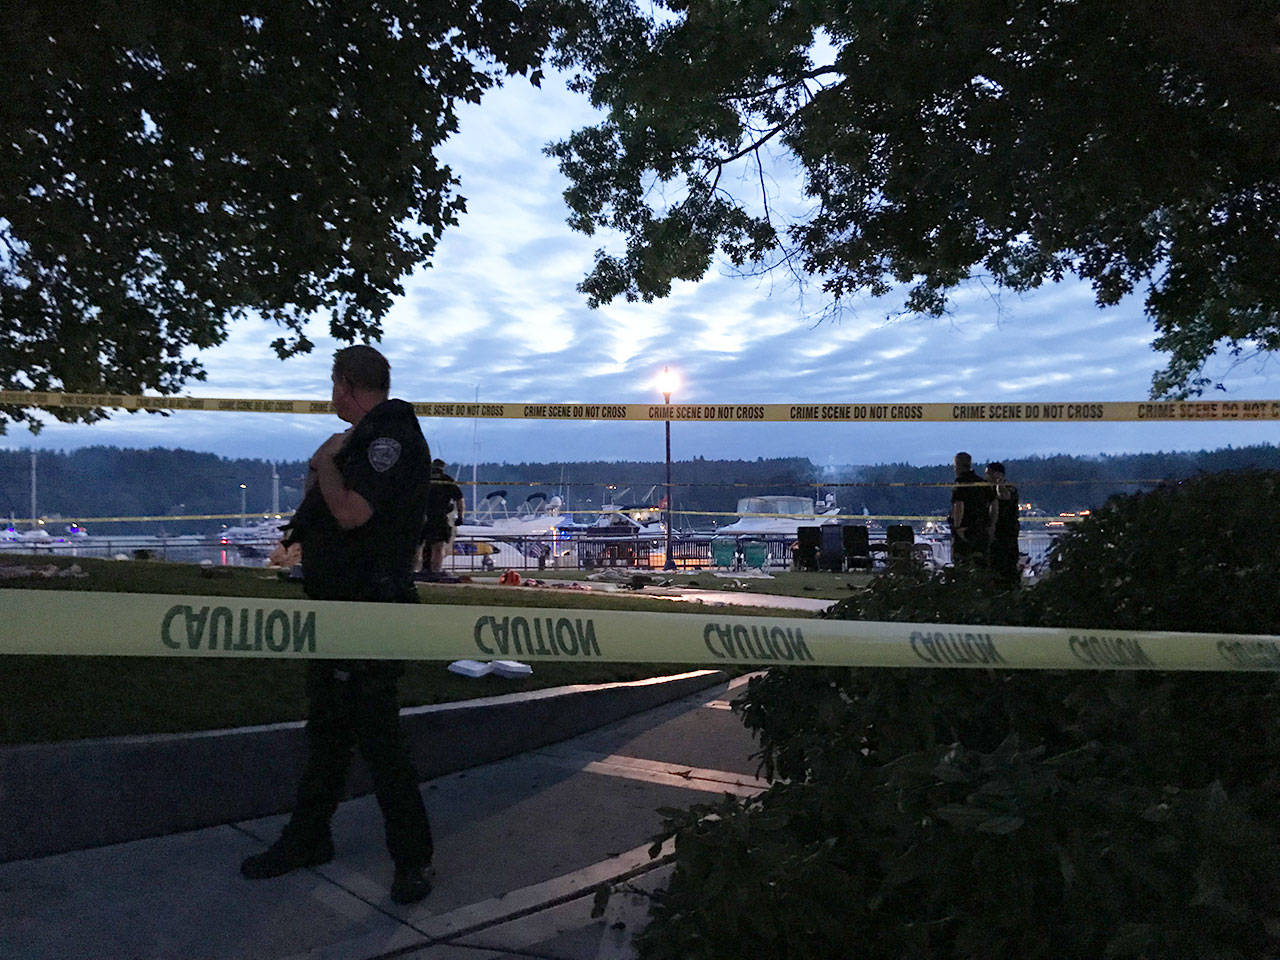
(85, 793)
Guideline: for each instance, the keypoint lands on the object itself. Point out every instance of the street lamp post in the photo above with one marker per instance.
(667, 383)
(242, 513)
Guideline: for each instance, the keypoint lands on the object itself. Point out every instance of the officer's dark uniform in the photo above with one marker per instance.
(353, 702)
(445, 492)
(970, 541)
(1004, 539)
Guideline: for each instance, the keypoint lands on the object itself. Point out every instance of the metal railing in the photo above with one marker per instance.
(483, 554)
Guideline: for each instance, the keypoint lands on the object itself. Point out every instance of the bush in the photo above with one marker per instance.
(1198, 555)
(1015, 814)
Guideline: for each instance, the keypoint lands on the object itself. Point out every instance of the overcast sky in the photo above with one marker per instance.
(497, 317)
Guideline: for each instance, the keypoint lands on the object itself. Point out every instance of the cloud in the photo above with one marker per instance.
(497, 316)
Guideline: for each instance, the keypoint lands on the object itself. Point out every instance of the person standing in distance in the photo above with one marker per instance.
(445, 507)
(970, 513)
(1003, 554)
(358, 525)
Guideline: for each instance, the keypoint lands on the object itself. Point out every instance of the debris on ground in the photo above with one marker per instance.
(20, 571)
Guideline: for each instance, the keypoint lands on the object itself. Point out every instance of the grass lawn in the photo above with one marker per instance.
(46, 699)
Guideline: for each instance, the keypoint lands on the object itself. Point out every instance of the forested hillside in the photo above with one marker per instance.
(112, 482)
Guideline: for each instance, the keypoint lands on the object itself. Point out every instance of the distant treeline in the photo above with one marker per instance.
(112, 482)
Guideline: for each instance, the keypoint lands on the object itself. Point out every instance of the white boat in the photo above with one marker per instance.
(780, 516)
(491, 537)
(257, 532)
(616, 520)
(538, 516)
(478, 554)
(619, 535)
(255, 539)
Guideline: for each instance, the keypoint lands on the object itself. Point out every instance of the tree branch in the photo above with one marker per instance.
(776, 88)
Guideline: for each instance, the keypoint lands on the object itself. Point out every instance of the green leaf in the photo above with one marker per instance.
(1001, 825)
(962, 816)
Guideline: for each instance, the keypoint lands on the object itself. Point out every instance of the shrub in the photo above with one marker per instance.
(1015, 814)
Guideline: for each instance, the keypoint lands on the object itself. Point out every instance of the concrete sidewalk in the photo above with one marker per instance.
(56, 797)
(522, 844)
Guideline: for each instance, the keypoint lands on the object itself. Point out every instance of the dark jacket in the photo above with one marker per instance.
(975, 522)
(387, 461)
(444, 493)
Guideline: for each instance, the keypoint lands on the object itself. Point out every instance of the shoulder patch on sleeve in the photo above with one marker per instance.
(383, 454)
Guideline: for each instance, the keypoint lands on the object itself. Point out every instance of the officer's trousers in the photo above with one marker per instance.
(1004, 558)
(967, 550)
(354, 703)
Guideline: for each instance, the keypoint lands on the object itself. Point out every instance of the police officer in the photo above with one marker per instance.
(358, 525)
(444, 499)
(970, 513)
(1003, 554)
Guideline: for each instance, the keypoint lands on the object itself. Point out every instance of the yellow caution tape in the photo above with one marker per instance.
(59, 622)
(242, 517)
(813, 518)
(1189, 410)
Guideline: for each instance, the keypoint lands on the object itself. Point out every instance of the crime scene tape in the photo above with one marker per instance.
(49, 622)
(1183, 410)
(815, 517)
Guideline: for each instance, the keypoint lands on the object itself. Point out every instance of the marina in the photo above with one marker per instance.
(620, 538)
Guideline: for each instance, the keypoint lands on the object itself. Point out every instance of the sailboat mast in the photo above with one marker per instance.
(475, 455)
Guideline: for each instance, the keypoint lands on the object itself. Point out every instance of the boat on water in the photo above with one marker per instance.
(622, 521)
(492, 536)
(780, 516)
(538, 516)
(40, 537)
(620, 535)
(255, 539)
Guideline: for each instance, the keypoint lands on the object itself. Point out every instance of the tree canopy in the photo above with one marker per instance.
(1133, 145)
(167, 167)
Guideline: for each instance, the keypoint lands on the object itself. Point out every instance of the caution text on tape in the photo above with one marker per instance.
(60, 622)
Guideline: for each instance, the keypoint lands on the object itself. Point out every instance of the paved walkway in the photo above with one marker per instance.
(686, 594)
(521, 847)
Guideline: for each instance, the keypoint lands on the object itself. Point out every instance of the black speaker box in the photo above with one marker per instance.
(857, 546)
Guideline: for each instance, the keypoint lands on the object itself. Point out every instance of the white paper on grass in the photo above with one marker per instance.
(470, 668)
(511, 668)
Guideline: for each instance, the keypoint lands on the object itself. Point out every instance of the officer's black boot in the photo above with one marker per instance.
(411, 883)
(286, 855)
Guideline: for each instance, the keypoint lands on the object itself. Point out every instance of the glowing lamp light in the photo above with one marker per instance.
(667, 382)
